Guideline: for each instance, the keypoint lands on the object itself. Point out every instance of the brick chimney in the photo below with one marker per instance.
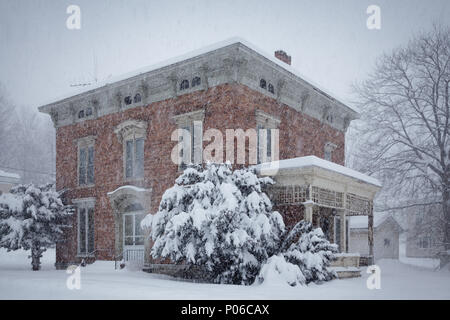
(280, 54)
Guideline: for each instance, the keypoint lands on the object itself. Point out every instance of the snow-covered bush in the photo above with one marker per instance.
(219, 221)
(31, 218)
(277, 270)
(312, 252)
(307, 249)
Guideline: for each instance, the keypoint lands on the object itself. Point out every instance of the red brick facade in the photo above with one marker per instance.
(228, 106)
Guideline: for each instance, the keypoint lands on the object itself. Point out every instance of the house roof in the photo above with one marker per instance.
(361, 222)
(313, 161)
(193, 54)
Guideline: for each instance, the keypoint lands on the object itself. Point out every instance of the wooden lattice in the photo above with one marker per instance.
(357, 205)
(288, 194)
(297, 194)
(327, 198)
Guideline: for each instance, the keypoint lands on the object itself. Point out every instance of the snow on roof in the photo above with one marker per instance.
(361, 222)
(192, 54)
(134, 188)
(309, 161)
(4, 174)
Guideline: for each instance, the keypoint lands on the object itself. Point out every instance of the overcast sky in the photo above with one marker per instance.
(328, 40)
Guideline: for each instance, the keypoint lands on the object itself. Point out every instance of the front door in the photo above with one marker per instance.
(133, 237)
(337, 231)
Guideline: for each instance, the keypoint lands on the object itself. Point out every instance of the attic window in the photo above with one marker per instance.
(271, 88)
(88, 112)
(137, 98)
(262, 83)
(128, 100)
(330, 118)
(184, 85)
(81, 114)
(196, 81)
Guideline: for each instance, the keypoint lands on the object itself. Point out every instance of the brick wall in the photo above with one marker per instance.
(228, 106)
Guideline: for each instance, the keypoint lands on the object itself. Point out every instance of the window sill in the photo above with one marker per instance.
(79, 255)
(134, 179)
(86, 186)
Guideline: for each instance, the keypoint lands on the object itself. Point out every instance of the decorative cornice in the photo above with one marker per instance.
(235, 63)
(184, 118)
(131, 127)
(266, 119)
(86, 141)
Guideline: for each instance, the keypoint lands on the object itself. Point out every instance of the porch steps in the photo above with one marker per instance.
(346, 265)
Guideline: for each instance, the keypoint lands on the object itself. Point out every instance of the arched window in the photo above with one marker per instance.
(271, 88)
(137, 98)
(88, 112)
(262, 83)
(128, 100)
(196, 81)
(184, 85)
(330, 118)
(81, 114)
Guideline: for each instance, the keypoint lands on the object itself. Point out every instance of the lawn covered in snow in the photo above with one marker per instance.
(101, 281)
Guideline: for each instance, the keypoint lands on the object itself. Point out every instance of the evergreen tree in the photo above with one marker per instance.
(219, 221)
(311, 252)
(31, 218)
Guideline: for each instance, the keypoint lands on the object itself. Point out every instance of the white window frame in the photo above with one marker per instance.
(133, 158)
(266, 128)
(190, 131)
(329, 149)
(86, 204)
(85, 143)
(131, 130)
(134, 236)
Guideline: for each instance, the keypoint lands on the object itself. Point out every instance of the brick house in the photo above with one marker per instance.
(114, 144)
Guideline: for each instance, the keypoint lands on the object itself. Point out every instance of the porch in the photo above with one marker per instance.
(324, 193)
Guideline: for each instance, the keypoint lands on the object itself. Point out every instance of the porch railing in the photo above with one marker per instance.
(133, 256)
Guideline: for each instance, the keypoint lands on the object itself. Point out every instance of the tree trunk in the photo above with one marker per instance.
(446, 214)
(36, 254)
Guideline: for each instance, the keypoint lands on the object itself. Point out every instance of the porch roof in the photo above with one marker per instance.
(313, 161)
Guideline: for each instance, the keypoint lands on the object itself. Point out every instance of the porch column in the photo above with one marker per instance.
(309, 210)
(343, 231)
(370, 233)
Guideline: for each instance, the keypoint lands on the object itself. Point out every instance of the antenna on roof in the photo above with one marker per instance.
(94, 76)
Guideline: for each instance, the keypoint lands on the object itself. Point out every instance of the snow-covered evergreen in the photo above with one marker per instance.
(304, 257)
(219, 221)
(312, 252)
(31, 218)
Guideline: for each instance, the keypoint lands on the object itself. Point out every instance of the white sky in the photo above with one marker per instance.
(328, 40)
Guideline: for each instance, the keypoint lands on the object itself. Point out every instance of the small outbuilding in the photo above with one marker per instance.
(386, 236)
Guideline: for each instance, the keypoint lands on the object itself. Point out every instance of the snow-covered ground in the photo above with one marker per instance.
(101, 281)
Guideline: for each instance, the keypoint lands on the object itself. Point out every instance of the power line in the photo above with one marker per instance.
(32, 171)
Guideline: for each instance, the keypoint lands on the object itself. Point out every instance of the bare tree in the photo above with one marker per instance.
(26, 142)
(7, 118)
(403, 137)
